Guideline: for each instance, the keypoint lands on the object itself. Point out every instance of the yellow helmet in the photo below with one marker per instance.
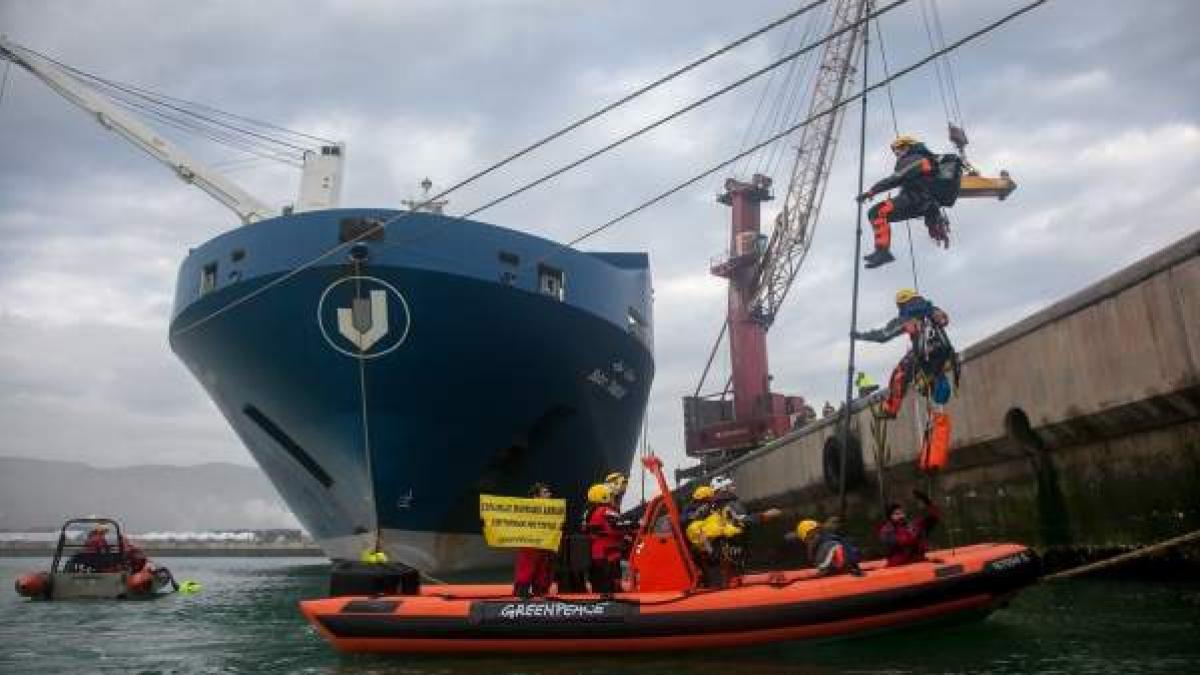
(904, 295)
(599, 494)
(904, 141)
(805, 528)
(702, 493)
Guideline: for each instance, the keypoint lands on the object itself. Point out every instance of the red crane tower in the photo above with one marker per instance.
(760, 271)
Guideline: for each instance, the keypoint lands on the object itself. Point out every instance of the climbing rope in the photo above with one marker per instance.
(858, 230)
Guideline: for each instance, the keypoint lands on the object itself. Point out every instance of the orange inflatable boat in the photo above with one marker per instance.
(664, 609)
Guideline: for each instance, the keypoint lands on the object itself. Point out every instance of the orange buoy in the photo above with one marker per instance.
(33, 585)
(936, 450)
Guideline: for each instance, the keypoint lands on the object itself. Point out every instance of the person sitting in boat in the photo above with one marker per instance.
(534, 570)
(97, 541)
(135, 558)
(906, 541)
(606, 532)
(827, 551)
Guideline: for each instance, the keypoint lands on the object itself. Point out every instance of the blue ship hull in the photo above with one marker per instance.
(383, 386)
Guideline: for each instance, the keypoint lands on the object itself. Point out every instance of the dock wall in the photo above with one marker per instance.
(1078, 426)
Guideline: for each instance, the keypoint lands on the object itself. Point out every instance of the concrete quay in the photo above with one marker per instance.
(1075, 428)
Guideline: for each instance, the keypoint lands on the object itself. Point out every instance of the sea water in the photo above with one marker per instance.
(245, 620)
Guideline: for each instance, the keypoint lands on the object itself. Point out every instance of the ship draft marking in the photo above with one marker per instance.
(368, 319)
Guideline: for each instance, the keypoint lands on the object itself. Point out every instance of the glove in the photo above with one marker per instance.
(940, 232)
(922, 497)
(864, 196)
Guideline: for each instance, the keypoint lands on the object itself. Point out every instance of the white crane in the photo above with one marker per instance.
(321, 180)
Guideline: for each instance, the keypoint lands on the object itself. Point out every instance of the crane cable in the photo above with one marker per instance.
(4, 82)
(381, 226)
(912, 258)
(591, 232)
(844, 426)
(676, 114)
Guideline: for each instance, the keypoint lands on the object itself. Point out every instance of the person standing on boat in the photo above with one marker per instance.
(616, 482)
(535, 566)
(731, 549)
(606, 533)
(906, 541)
(702, 527)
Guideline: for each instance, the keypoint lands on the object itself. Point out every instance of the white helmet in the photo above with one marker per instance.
(721, 484)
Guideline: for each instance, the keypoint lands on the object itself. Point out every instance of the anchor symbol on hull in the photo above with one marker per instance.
(365, 321)
(368, 312)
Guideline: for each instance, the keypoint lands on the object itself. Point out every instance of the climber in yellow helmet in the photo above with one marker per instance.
(927, 182)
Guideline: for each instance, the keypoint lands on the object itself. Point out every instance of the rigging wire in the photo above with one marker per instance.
(110, 86)
(970, 37)
(4, 82)
(912, 258)
(798, 77)
(286, 276)
(711, 355)
(778, 151)
(159, 99)
(625, 99)
(747, 134)
(189, 126)
(674, 115)
(937, 64)
(887, 73)
(948, 61)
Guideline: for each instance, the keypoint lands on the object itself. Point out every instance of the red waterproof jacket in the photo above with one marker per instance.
(908, 543)
(606, 536)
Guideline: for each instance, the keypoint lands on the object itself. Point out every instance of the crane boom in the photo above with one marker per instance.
(792, 236)
(247, 207)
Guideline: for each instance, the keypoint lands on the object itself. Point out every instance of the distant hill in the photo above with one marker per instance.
(37, 493)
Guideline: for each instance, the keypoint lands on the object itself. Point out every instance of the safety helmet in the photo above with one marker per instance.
(599, 494)
(702, 493)
(615, 477)
(904, 295)
(722, 484)
(904, 141)
(805, 528)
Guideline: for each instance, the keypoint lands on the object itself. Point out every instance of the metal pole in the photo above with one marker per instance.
(862, 154)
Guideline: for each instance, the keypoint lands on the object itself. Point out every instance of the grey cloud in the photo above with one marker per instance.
(433, 89)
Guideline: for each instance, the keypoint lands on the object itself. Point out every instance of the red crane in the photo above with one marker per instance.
(761, 270)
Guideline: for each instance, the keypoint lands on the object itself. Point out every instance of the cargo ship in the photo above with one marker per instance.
(385, 367)
(384, 387)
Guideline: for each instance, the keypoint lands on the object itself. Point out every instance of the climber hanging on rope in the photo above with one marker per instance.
(927, 182)
(931, 362)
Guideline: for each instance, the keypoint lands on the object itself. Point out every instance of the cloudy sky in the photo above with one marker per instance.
(1094, 107)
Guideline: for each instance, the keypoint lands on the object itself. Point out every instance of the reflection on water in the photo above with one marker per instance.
(246, 621)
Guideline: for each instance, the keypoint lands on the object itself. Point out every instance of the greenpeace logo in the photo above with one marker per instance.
(551, 610)
(493, 612)
(1009, 562)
